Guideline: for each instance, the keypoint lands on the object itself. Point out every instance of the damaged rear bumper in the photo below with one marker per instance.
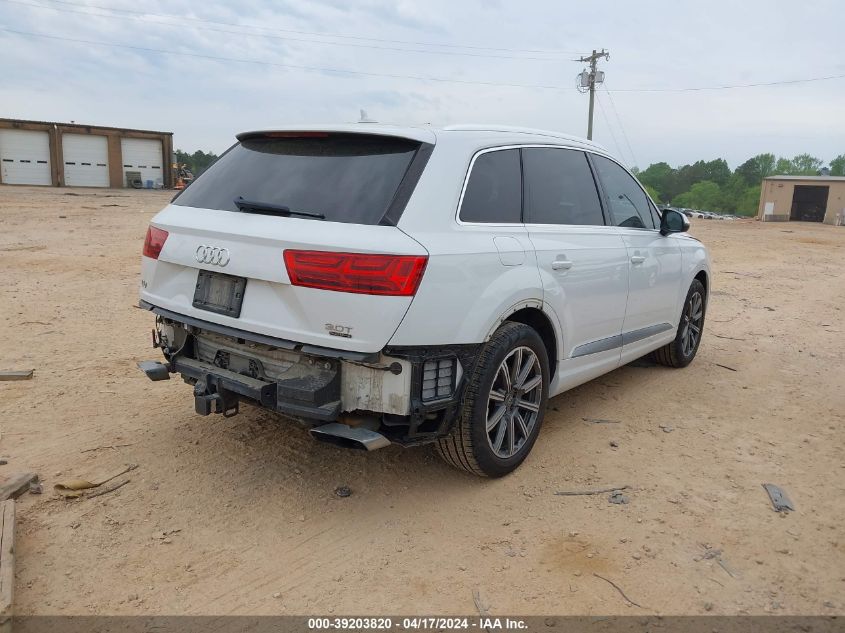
(410, 395)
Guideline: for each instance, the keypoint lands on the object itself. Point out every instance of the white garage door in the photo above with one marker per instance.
(144, 155)
(86, 160)
(25, 157)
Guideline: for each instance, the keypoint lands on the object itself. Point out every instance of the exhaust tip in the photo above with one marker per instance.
(356, 438)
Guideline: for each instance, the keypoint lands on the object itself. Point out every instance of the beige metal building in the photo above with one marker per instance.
(802, 198)
(73, 155)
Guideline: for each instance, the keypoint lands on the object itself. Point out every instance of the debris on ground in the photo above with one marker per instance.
(165, 533)
(16, 374)
(106, 489)
(576, 493)
(7, 562)
(599, 421)
(480, 604)
(343, 491)
(614, 444)
(100, 448)
(14, 485)
(619, 589)
(77, 487)
(730, 338)
(4, 461)
(725, 367)
(666, 428)
(711, 553)
(35, 488)
(617, 497)
(779, 499)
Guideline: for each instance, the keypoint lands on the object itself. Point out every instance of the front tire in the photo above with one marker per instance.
(681, 351)
(503, 405)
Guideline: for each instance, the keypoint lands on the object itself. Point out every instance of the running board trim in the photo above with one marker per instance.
(620, 340)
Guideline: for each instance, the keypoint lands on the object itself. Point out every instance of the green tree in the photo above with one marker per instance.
(755, 169)
(806, 165)
(837, 166)
(658, 176)
(706, 195)
(748, 202)
(197, 162)
(652, 192)
(717, 171)
(783, 167)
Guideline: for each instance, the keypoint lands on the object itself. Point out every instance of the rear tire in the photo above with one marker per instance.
(681, 351)
(503, 405)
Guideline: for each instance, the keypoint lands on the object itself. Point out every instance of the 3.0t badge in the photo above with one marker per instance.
(212, 255)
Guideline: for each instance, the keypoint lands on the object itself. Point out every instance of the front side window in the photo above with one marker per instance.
(559, 187)
(494, 191)
(655, 216)
(626, 200)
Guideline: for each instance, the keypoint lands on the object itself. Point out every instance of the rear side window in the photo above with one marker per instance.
(494, 191)
(627, 201)
(349, 178)
(559, 187)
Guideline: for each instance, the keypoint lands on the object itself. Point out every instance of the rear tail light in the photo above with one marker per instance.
(394, 275)
(154, 242)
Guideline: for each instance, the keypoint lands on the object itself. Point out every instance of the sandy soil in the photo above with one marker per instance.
(256, 526)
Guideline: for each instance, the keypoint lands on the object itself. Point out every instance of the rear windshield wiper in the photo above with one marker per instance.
(249, 206)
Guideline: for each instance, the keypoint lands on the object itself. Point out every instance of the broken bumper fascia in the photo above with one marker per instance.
(218, 390)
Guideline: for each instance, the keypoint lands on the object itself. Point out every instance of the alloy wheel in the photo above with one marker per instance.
(692, 321)
(513, 405)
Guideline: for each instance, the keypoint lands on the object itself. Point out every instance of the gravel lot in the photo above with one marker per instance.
(254, 527)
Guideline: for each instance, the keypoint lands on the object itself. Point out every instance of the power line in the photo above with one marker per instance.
(734, 86)
(284, 38)
(281, 65)
(182, 19)
(392, 75)
(621, 127)
(610, 129)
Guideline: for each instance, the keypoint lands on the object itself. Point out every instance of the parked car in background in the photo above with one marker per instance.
(416, 285)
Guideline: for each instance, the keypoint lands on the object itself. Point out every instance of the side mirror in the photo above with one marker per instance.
(672, 221)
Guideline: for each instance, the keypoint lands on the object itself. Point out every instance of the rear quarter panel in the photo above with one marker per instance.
(469, 286)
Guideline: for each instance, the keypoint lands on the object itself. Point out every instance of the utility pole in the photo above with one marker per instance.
(590, 79)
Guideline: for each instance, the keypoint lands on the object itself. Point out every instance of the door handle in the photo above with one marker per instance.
(561, 264)
(637, 259)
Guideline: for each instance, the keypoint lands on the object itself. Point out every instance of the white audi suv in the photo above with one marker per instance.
(416, 285)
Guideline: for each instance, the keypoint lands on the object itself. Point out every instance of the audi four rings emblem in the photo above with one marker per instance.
(212, 255)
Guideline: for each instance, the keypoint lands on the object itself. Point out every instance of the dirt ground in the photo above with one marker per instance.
(253, 525)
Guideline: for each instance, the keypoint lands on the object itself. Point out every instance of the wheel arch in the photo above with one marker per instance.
(701, 275)
(535, 318)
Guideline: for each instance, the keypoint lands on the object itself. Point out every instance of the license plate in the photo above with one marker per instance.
(216, 292)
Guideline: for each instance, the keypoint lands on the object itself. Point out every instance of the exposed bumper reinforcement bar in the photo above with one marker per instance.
(217, 390)
(265, 393)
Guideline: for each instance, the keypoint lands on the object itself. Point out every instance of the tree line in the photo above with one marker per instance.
(712, 186)
(197, 162)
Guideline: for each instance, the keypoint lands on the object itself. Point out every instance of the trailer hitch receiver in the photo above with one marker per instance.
(218, 400)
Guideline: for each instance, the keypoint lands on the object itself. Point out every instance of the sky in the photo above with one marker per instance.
(439, 62)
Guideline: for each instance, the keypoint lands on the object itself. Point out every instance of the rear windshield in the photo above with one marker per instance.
(345, 177)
